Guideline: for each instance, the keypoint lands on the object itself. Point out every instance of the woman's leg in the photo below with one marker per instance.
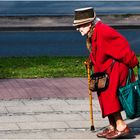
(112, 121)
(120, 124)
(121, 128)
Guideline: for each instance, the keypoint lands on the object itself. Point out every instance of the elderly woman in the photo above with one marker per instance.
(107, 47)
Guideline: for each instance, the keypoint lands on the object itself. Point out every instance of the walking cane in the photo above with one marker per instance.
(88, 67)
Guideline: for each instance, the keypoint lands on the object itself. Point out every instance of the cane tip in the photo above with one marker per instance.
(92, 128)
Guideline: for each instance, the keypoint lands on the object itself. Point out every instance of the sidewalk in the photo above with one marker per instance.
(45, 23)
(50, 109)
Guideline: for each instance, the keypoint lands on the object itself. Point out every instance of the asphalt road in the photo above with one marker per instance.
(53, 43)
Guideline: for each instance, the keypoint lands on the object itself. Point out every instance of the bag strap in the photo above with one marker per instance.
(111, 67)
(129, 77)
(130, 74)
(138, 71)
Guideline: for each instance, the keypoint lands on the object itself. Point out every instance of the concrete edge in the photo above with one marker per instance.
(45, 23)
(60, 28)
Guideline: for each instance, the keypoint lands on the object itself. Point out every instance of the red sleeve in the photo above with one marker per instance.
(117, 47)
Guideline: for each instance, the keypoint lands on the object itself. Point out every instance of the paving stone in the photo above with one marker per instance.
(58, 117)
(29, 109)
(45, 102)
(11, 103)
(72, 135)
(79, 124)
(96, 116)
(42, 125)
(77, 102)
(21, 118)
(8, 126)
(3, 109)
(68, 108)
(24, 135)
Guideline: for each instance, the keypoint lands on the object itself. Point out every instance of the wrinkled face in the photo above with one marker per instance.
(84, 29)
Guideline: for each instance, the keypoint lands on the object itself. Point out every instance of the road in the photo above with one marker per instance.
(53, 43)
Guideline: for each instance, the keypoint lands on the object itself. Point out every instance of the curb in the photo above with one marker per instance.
(60, 28)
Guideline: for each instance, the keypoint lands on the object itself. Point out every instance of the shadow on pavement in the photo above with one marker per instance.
(135, 128)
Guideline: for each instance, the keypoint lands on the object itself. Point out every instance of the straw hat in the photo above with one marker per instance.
(83, 16)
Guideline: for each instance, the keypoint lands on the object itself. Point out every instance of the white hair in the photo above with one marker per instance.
(96, 20)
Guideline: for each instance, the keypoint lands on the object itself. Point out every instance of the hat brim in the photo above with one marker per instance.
(84, 21)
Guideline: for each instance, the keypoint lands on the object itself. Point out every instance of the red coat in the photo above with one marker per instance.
(109, 45)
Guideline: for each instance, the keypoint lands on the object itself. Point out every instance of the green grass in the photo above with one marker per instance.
(35, 67)
(38, 67)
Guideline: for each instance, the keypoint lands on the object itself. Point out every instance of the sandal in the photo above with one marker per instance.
(105, 132)
(117, 134)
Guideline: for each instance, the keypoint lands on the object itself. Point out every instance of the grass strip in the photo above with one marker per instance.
(43, 67)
